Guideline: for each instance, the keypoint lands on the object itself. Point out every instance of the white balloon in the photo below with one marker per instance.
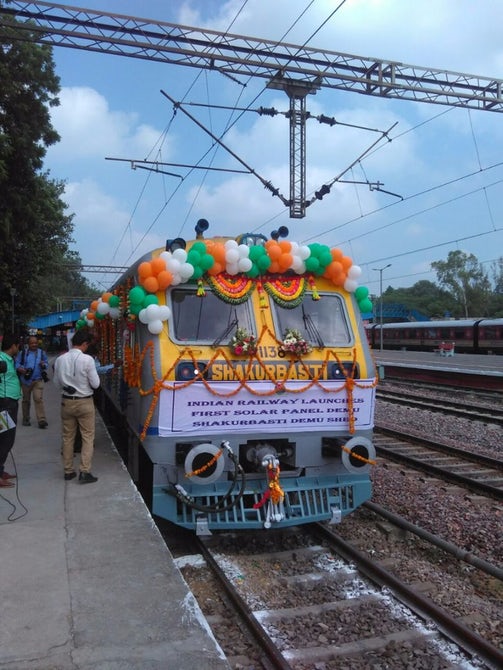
(180, 255)
(142, 315)
(165, 255)
(244, 251)
(350, 285)
(90, 322)
(103, 308)
(164, 312)
(114, 312)
(232, 255)
(231, 244)
(232, 269)
(294, 249)
(304, 252)
(176, 280)
(186, 271)
(155, 327)
(152, 313)
(245, 264)
(173, 265)
(354, 272)
(298, 265)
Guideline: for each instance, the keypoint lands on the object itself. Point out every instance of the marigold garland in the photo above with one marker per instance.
(232, 289)
(287, 292)
(279, 386)
(207, 465)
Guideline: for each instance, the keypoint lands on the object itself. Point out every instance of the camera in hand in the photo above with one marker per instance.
(69, 390)
(45, 376)
(3, 367)
(28, 373)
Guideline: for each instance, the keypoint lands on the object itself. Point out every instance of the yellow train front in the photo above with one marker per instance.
(248, 376)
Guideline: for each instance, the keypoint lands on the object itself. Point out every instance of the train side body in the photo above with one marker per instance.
(474, 336)
(251, 436)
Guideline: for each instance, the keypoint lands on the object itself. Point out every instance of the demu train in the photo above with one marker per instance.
(248, 386)
(470, 336)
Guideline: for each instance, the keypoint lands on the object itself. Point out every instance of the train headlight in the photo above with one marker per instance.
(357, 453)
(187, 371)
(207, 460)
(338, 371)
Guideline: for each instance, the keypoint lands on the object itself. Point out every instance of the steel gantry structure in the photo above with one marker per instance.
(297, 70)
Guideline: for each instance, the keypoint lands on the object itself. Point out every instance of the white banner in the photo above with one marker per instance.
(194, 410)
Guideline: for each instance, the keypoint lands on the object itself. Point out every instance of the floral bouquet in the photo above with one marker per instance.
(243, 343)
(294, 343)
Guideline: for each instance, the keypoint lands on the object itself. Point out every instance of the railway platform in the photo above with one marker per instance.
(87, 580)
(481, 371)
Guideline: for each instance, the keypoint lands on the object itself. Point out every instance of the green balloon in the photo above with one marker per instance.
(365, 305)
(263, 263)
(149, 299)
(207, 262)
(100, 316)
(198, 247)
(114, 301)
(253, 271)
(135, 309)
(361, 293)
(80, 324)
(312, 264)
(136, 295)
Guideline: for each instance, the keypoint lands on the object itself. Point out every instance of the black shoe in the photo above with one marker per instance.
(87, 478)
(42, 424)
(26, 422)
(70, 475)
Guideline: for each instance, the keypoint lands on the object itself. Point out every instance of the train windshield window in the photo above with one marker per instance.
(207, 320)
(321, 322)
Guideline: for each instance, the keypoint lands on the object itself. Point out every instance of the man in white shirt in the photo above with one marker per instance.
(75, 374)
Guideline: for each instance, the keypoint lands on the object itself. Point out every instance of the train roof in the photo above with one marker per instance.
(446, 323)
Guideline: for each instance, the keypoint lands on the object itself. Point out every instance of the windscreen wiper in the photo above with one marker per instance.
(232, 324)
(312, 330)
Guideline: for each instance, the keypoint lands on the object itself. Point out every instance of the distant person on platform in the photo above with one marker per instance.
(10, 395)
(31, 366)
(75, 374)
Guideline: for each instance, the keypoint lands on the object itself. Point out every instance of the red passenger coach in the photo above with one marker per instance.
(474, 336)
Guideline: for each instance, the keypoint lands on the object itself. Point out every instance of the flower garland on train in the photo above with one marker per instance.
(283, 269)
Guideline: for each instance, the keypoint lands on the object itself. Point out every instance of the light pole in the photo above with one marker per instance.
(380, 271)
(13, 294)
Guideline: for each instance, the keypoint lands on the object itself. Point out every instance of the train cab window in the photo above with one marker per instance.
(206, 320)
(321, 322)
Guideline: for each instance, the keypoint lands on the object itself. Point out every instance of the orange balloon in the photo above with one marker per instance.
(215, 269)
(144, 270)
(218, 253)
(336, 254)
(334, 269)
(90, 316)
(285, 261)
(150, 284)
(157, 265)
(339, 279)
(285, 246)
(346, 262)
(94, 306)
(106, 297)
(274, 268)
(164, 279)
(274, 251)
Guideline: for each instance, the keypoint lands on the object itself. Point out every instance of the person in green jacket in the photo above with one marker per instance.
(10, 394)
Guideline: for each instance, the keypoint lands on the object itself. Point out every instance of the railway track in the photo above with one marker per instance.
(476, 472)
(308, 597)
(489, 414)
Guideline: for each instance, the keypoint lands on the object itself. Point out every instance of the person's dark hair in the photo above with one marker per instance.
(80, 337)
(92, 349)
(8, 340)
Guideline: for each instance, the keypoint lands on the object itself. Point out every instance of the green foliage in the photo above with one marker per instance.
(463, 276)
(34, 225)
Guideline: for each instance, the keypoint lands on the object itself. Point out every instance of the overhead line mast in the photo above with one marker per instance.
(297, 70)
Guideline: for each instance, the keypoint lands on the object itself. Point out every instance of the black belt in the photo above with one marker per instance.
(76, 397)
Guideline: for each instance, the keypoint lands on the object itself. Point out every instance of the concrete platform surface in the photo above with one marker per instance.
(86, 579)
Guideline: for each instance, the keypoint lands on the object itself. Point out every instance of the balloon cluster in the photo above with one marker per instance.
(107, 305)
(146, 307)
(363, 300)
(212, 258)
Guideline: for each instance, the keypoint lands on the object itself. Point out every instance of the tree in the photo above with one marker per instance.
(424, 297)
(35, 228)
(463, 276)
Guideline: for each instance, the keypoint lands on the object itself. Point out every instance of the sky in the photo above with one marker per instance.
(445, 163)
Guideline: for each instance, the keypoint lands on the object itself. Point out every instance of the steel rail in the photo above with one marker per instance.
(463, 636)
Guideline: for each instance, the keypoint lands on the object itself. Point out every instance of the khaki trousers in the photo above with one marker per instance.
(34, 390)
(79, 412)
